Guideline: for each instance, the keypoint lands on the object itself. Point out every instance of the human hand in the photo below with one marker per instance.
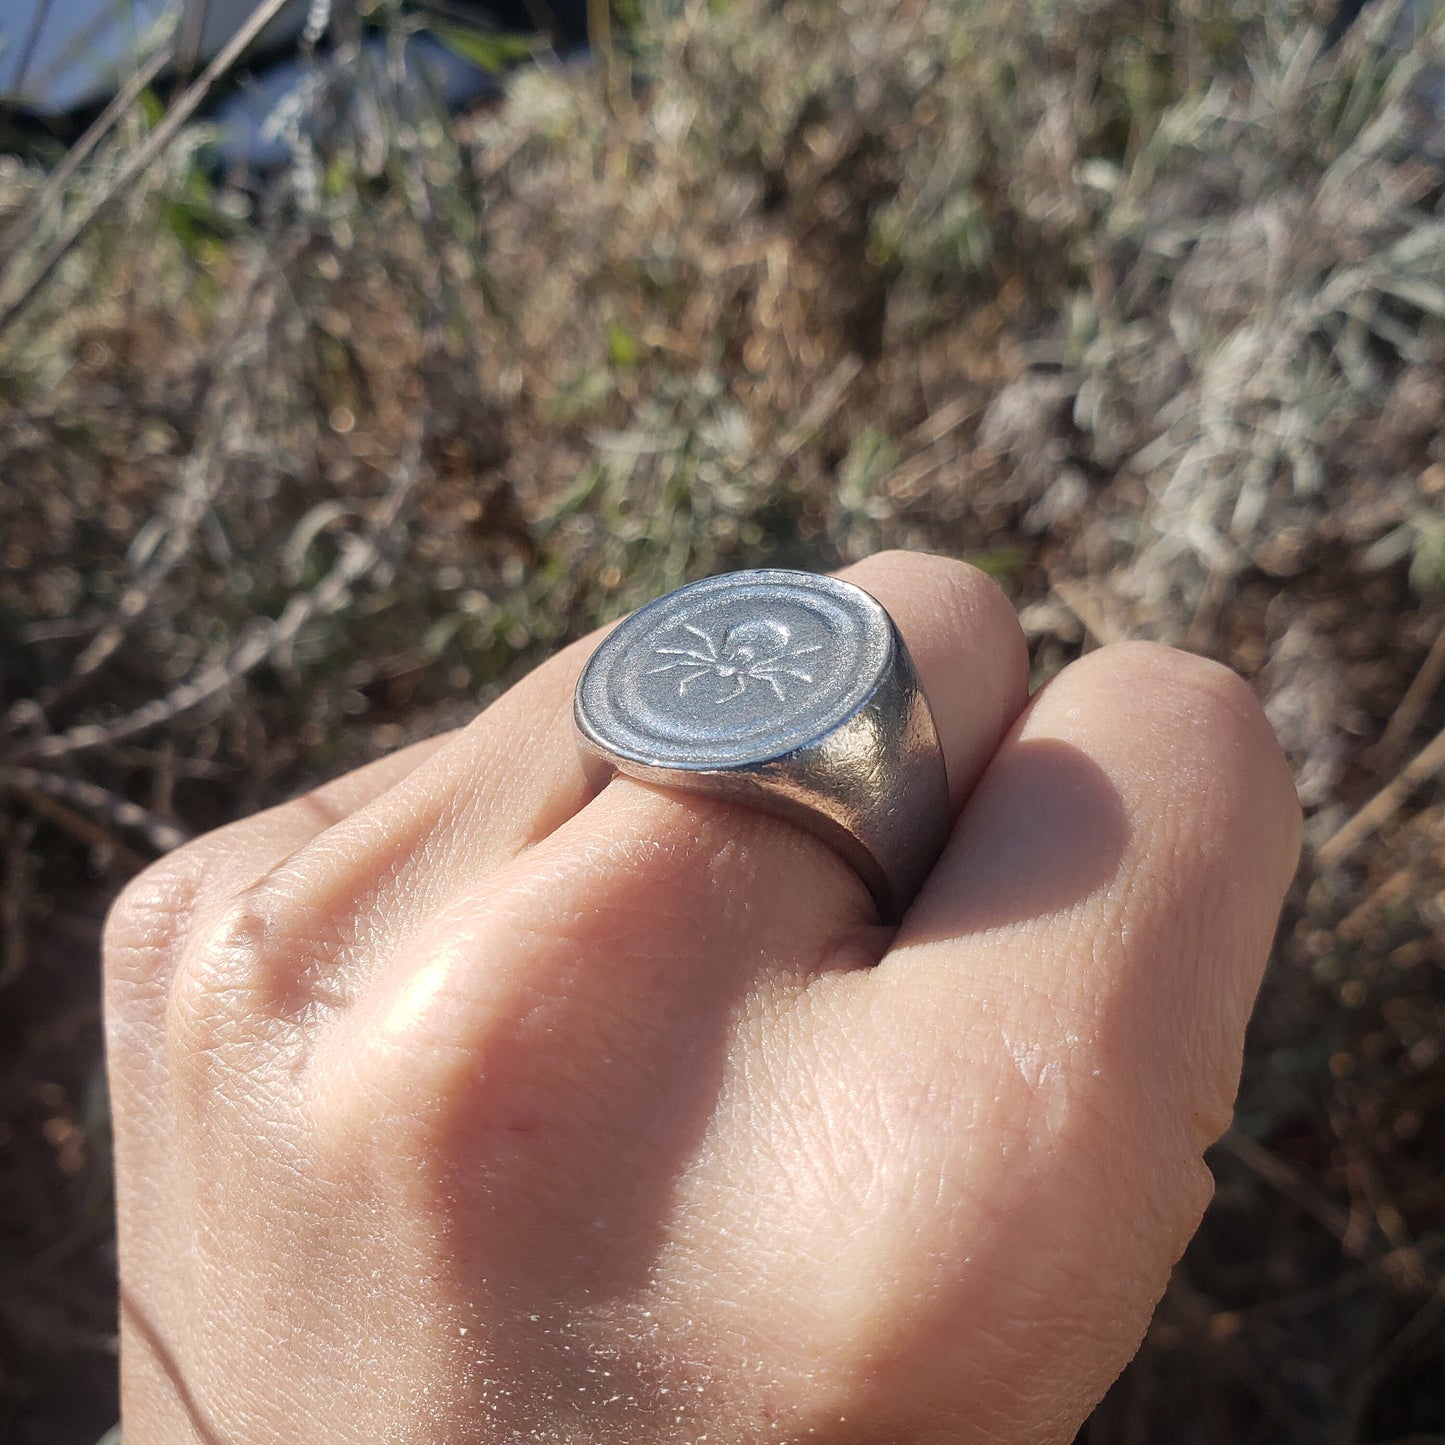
(453, 1106)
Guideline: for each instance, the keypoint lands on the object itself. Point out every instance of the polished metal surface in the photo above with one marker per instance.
(785, 690)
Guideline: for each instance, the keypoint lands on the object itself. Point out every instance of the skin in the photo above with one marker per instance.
(454, 1105)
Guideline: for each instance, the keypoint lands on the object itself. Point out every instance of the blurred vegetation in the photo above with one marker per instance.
(1139, 305)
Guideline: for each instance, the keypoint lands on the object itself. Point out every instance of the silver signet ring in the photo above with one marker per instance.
(787, 691)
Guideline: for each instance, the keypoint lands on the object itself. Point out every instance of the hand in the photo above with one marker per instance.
(452, 1106)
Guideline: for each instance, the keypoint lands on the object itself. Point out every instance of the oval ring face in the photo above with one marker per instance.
(735, 670)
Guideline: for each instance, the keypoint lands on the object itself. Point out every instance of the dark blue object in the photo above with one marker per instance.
(61, 60)
(247, 142)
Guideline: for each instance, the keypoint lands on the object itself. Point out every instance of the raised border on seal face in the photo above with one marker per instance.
(735, 670)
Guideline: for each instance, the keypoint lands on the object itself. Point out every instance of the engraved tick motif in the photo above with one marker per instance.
(759, 651)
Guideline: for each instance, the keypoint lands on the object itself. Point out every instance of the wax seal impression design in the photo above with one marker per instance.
(757, 651)
(735, 669)
(786, 692)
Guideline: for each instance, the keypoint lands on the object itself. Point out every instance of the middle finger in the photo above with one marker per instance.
(513, 779)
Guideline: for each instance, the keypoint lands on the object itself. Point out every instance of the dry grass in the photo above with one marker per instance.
(1141, 305)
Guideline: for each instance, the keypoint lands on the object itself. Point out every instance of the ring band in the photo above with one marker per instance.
(788, 691)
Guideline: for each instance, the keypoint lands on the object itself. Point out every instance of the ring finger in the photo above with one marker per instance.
(513, 779)
(585, 991)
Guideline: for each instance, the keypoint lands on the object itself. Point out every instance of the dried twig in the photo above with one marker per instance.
(37, 786)
(1085, 603)
(1395, 887)
(830, 395)
(120, 105)
(228, 411)
(264, 640)
(1429, 761)
(26, 54)
(1294, 1186)
(193, 29)
(1417, 697)
(137, 162)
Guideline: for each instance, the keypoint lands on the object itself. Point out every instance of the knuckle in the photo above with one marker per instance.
(148, 921)
(1215, 714)
(1223, 698)
(214, 1013)
(957, 587)
(963, 591)
(1211, 691)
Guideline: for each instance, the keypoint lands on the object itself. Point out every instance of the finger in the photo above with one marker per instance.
(477, 797)
(1061, 1019)
(516, 742)
(483, 801)
(965, 639)
(971, 659)
(1143, 802)
(513, 777)
(157, 906)
(244, 849)
(142, 939)
(145, 932)
(604, 970)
